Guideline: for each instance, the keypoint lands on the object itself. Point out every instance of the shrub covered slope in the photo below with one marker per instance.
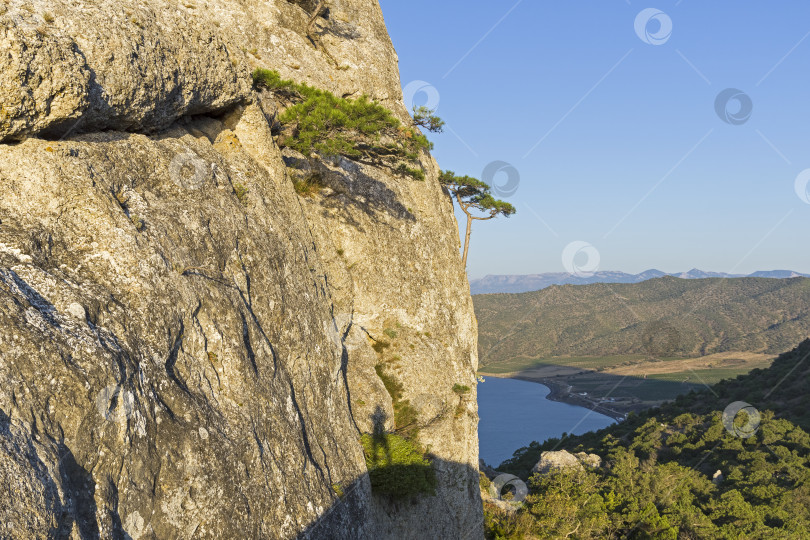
(660, 476)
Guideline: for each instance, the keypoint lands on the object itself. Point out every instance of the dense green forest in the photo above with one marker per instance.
(656, 480)
(665, 317)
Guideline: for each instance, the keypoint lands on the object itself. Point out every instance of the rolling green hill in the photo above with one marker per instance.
(663, 318)
(659, 475)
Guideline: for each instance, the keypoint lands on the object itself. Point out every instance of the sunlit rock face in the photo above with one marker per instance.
(185, 342)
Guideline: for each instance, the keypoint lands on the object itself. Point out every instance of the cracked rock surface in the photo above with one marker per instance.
(185, 342)
(68, 66)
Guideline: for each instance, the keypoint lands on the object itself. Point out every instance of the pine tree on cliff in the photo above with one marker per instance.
(426, 118)
(473, 195)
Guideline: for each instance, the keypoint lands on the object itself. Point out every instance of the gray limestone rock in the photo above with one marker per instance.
(139, 66)
(558, 460)
(185, 342)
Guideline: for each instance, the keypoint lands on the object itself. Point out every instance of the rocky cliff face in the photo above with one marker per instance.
(185, 342)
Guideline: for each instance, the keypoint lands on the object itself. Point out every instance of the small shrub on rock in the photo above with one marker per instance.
(396, 466)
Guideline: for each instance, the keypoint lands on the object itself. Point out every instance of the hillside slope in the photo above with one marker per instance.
(186, 343)
(665, 317)
(695, 468)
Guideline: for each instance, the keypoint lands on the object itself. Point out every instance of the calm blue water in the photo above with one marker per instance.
(514, 413)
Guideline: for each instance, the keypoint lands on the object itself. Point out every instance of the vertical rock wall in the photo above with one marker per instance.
(185, 343)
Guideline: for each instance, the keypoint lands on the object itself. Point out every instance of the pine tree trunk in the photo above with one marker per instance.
(467, 241)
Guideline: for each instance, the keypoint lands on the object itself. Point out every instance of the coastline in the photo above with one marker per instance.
(560, 392)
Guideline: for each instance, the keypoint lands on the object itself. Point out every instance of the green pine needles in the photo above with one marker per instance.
(322, 123)
(271, 80)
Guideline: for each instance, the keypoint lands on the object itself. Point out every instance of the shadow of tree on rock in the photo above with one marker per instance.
(401, 489)
(351, 188)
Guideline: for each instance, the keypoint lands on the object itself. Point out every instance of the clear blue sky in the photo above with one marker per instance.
(617, 141)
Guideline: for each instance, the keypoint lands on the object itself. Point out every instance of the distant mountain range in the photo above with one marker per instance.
(535, 282)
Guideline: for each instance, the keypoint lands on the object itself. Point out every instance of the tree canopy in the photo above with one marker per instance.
(318, 122)
(473, 195)
(659, 477)
(426, 118)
